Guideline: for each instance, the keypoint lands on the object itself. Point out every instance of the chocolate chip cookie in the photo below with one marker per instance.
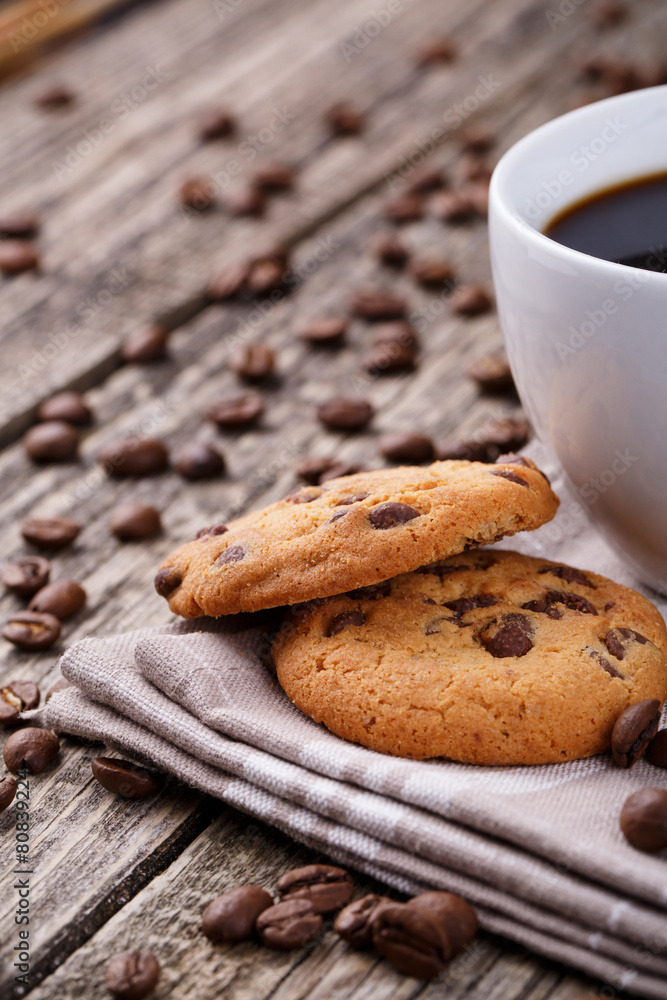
(488, 657)
(352, 532)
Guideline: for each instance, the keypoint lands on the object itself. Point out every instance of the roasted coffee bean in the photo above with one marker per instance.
(656, 751)
(239, 411)
(438, 50)
(633, 730)
(404, 447)
(249, 200)
(229, 282)
(62, 599)
(132, 456)
(26, 576)
(396, 333)
(231, 917)
(52, 441)
(197, 193)
(252, 362)
(19, 225)
(426, 180)
(403, 208)
(17, 697)
(411, 939)
(458, 917)
(608, 13)
(145, 345)
(32, 630)
(134, 521)
(456, 450)
(343, 119)
(60, 685)
(345, 413)
(353, 923)
(17, 256)
(342, 621)
(389, 514)
(504, 434)
(167, 580)
(49, 532)
(265, 276)
(35, 748)
(389, 357)
(511, 636)
(374, 306)
(326, 887)
(54, 96)
(68, 406)
(289, 924)
(198, 460)
(132, 975)
(432, 273)
(310, 469)
(217, 123)
(7, 791)
(470, 300)
(339, 469)
(389, 250)
(510, 475)
(452, 206)
(492, 374)
(327, 331)
(476, 139)
(477, 193)
(124, 778)
(472, 167)
(644, 819)
(274, 176)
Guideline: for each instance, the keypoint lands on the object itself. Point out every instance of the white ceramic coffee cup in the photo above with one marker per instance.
(587, 338)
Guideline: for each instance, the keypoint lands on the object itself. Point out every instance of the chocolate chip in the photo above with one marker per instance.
(231, 555)
(432, 627)
(229, 282)
(403, 208)
(31, 748)
(249, 200)
(216, 123)
(52, 441)
(437, 50)
(353, 924)
(17, 697)
(633, 730)
(371, 593)
(389, 250)
(342, 621)
(132, 975)
(62, 599)
(310, 469)
(457, 916)
(124, 778)
(411, 939)
(458, 450)
(68, 406)
(32, 630)
(451, 206)
(326, 887)
(198, 460)
(390, 514)
(252, 362)
(432, 273)
(614, 641)
(462, 605)
(7, 791)
(644, 819)
(337, 516)
(569, 574)
(553, 597)
(603, 661)
(231, 917)
(236, 412)
(306, 495)
(356, 498)
(288, 925)
(374, 306)
(19, 225)
(54, 96)
(345, 413)
(511, 476)
(145, 345)
(26, 576)
(387, 358)
(132, 456)
(17, 256)
(135, 521)
(470, 300)
(492, 374)
(512, 637)
(49, 532)
(339, 469)
(327, 331)
(441, 570)
(215, 529)
(656, 751)
(197, 193)
(343, 119)
(167, 580)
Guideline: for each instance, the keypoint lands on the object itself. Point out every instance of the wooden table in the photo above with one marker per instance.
(119, 253)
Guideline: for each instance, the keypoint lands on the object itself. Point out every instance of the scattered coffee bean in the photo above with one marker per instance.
(326, 331)
(310, 469)
(249, 200)
(58, 686)
(124, 778)
(459, 450)
(343, 119)
(144, 345)
(265, 275)
(504, 434)
(132, 975)
(35, 748)
(404, 447)
(374, 306)
(132, 456)
(217, 123)
(389, 250)
(270, 177)
(134, 521)
(472, 167)
(326, 887)
(7, 791)
(656, 751)
(432, 273)
(426, 180)
(353, 923)
(239, 411)
(345, 413)
(492, 374)
(54, 96)
(633, 730)
(451, 206)
(339, 469)
(19, 225)
(413, 941)
(389, 514)
(403, 208)
(644, 819)
(167, 580)
(229, 282)
(470, 300)
(608, 13)
(197, 193)
(17, 697)
(50, 532)
(389, 357)
(32, 630)
(198, 460)
(477, 193)
(52, 441)
(17, 256)
(62, 599)
(26, 576)
(252, 362)
(396, 333)
(511, 636)
(68, 406)
(438, 50)
(458, 917)
(476, 139)
(231, 917)
(289, 925)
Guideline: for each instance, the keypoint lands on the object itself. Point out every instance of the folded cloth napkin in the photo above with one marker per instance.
(537, 850)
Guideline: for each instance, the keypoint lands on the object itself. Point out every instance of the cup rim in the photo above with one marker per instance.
(510, 218)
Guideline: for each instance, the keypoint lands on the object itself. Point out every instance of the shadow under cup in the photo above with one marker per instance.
(586, 337)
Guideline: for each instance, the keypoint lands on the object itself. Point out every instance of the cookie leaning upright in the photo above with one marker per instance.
(352, 532)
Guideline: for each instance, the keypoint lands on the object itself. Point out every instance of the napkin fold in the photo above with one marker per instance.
(537, 850)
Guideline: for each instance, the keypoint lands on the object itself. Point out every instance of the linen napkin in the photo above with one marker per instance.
(537, 850)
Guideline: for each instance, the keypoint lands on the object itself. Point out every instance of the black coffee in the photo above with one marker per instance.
(626, 224)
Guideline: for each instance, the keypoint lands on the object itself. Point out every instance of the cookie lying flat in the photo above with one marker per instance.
(488, 658)
(351, 532)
